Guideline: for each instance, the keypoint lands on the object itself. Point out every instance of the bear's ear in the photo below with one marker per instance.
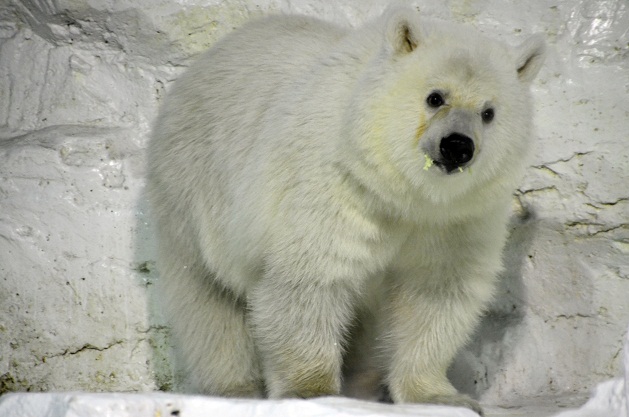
(530, 57)
(402, 33)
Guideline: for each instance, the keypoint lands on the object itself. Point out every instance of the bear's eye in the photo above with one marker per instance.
(487, 115)
(435, 100)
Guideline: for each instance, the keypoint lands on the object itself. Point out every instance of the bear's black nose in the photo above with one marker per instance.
(456, 150)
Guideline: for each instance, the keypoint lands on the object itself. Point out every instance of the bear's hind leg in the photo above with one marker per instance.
(214, 344)
(362, 370)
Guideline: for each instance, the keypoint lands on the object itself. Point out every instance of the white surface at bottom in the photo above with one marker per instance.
(164, 405)
(177, 405)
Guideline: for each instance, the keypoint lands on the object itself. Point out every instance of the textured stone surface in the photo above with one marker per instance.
(80, 82)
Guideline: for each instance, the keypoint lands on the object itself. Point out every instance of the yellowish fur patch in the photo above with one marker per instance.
(420, 130)
(428, 163)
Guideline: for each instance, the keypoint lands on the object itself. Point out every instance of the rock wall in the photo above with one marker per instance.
(80, 82)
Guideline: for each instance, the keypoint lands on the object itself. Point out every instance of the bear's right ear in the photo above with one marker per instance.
(402, 33)
(530, 57)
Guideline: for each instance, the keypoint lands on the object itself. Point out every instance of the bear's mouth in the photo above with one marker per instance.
(448, 168)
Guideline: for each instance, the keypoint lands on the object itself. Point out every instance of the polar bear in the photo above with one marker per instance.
(320, 191)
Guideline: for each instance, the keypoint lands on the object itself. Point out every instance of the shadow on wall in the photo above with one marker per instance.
(161, 358)
(475, 368)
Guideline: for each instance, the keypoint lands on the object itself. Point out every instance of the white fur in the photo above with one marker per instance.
(289, 184)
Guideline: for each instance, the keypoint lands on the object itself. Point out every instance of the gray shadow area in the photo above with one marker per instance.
(476, 366)
(161, 357)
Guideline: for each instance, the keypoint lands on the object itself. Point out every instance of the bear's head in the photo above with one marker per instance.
(444, 112)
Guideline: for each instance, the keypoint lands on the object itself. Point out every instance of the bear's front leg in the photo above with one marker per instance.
(429, 322)
(299, 328)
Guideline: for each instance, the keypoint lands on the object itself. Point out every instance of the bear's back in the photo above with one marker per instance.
(224, 95)
(250, 66)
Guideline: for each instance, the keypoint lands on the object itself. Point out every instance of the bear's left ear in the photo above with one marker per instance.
(402, 33)
(530, 57)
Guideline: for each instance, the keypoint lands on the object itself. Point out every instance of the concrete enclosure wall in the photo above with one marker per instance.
(80, 82)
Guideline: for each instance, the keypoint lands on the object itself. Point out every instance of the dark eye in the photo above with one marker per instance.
(435, 100)
(487, 115)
